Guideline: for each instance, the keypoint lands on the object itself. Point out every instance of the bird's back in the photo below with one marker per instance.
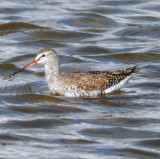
(98, 82)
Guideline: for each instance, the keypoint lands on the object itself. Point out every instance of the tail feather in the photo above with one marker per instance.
(133, 69)
(120, 78)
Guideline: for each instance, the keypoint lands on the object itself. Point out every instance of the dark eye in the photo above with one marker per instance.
(43, 55)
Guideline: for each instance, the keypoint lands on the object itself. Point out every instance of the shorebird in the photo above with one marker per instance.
(79, 84)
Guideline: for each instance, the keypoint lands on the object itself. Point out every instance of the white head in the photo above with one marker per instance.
(48, 57)
(43, 57)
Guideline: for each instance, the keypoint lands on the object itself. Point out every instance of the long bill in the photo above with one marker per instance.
(23, 68)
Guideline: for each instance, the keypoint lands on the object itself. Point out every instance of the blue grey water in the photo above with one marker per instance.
(88, 35)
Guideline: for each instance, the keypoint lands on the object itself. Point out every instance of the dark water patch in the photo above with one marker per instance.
(136, 57)
(154, 86)
(71, 58)
(120, 103)
(136, 153)
(119, 133)
(44, 43)
(124, 96)
(124, 122)
(6, 66)
(76, 141)
(122, 3)
(108, 10)
(60, 35)
(14, 10)
(46, 108)
(38, 123)
(154, 143)
(93, 20)
(152, 31)
(144, 18)
(9, 137)
(131, 101)
(17, 26)
(11, 18)
(24, 58)
(92, 50)
(8, 10)
(33, 98)
(151, 71)
(129, 49)
(96, 30)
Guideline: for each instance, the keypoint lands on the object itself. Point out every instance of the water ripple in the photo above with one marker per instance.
(88, 35)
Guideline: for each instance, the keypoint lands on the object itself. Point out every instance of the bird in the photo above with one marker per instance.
(79, 84)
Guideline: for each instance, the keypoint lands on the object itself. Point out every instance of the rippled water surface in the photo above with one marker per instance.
(88, 35)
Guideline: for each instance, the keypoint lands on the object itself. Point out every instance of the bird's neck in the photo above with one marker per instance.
(52, 70)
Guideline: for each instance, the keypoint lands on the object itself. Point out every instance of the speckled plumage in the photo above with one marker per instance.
(98, 83)
(80, 84)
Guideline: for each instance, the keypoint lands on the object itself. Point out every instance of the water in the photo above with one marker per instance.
(88, 35)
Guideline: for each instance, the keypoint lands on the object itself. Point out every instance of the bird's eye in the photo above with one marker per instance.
(43, 55)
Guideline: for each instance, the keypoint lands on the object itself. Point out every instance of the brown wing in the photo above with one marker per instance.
(87, 81)
(117, 76)
(98, 80)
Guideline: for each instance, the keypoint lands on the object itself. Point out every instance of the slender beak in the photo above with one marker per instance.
(25, 67)
(30, 65)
